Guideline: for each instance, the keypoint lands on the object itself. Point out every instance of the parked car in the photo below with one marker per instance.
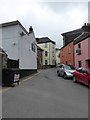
(82, 75)
(65, 71)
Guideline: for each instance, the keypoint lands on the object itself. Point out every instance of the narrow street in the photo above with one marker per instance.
(45, 95)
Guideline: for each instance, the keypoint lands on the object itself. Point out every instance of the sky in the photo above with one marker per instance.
(49, 18)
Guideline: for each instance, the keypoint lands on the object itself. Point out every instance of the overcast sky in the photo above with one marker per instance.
(48, 19)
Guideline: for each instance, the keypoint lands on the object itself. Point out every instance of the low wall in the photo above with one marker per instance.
(27, 72)
(9, 73)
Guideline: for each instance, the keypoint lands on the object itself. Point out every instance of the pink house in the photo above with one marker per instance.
(82, 48)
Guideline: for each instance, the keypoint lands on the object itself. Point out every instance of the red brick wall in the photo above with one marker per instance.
(67, 54)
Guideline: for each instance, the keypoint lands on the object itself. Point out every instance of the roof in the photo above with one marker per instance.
(12, 24)
(66, 45)
(57, 48)
(2, 51)
(38, 48)
(73, 32)
(44, 40)
(81, 37)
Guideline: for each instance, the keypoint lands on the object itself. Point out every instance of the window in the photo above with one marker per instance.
(46, 53)
(79, 45)
(67, 67)
(52, 46)
(62, 53)
(82, 70)
(46, 62)
(53, 61)
(33, 47)
(69, 49)
(79, 64)
(45, 45)
(60, 66)
(53, 54)
(66, 62)
(78, 50)
(58, 55)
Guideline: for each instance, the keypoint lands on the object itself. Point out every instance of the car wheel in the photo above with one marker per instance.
(64, 76)
(89, 84)
(58, 73)
(74, 79)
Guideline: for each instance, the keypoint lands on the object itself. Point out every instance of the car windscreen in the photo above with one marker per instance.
(67, 67)
(89, 70)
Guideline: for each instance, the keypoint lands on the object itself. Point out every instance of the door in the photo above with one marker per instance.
(60, 70)
(83, 76)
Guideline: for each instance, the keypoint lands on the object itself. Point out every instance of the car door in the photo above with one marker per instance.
(83, 76)
(60, 70)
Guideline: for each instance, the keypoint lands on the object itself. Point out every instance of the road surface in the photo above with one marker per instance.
(45, 95)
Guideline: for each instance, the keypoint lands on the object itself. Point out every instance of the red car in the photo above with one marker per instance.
(82, 75)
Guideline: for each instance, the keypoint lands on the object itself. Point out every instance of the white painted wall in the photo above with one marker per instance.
(1, 36)
(18, 47)
(28, 58)
(9, 38)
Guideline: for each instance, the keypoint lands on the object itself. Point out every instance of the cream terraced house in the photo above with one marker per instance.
(49, 58)
(57, 56)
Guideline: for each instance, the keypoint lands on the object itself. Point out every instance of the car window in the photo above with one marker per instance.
(82, 70)
(67, 67)
(89, 70)
(60, 66)
(72, 67)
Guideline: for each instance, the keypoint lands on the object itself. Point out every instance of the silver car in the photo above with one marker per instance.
(65, 71)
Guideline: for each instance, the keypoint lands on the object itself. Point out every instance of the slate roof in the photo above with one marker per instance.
(2, 51)
(81, 37)
(12, 24)
(73, 32)
(44, 40)
(38, 48)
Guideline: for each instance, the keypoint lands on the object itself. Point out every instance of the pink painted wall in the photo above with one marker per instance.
(85, 52)
(89, 47)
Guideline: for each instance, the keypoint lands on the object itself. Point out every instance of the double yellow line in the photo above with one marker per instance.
(22, 81)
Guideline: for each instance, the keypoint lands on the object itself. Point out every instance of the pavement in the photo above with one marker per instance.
(22, 80)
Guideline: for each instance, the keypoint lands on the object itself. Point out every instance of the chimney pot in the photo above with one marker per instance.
(30, 29)
(84, 24)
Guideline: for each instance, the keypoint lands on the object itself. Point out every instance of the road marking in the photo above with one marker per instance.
(23, 80)
(5, 89)
(29, 78)
(0, 90)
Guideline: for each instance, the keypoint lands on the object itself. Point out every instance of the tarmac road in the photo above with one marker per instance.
(45, 95)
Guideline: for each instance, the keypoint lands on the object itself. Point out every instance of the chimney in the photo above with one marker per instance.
(30, 29)
(84, 24)
(86, 27)
(88, 24)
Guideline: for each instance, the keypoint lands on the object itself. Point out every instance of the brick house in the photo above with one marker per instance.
(82, 48)
(67, 51)
(67, 54)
